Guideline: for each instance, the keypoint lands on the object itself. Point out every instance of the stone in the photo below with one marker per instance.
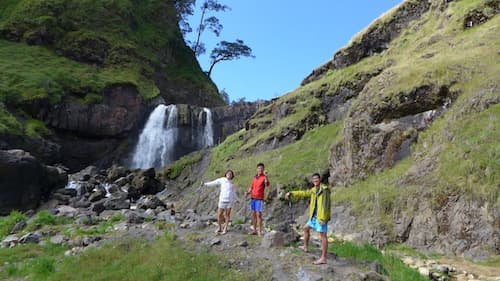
(121, 181)
(243, 244)
(273, 239)
(134, 217)
(215, 241)
(10, 241)
(98, 206)
(58, 239)
(150, 213)
(116, 172)
(117, 201)
(66, 211)
(23, 181)
(84, 219)
(19, 226)
(30, 238)
(149, 202)
(97, 195)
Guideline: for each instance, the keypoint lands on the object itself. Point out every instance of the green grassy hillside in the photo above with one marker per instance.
(447, 50)
(57, 48)
(431, 51)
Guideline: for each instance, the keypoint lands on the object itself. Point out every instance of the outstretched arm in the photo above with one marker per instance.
(298, 194)
(212, 183)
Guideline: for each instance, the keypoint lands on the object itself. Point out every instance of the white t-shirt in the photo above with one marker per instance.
(227, 189)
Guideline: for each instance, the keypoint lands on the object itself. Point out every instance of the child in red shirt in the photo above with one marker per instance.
(259, 183)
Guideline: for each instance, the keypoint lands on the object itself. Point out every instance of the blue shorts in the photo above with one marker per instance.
(314, 224)
(257, 205)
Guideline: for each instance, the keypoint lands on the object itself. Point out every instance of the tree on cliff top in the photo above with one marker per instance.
(224, 50)
(229, 51)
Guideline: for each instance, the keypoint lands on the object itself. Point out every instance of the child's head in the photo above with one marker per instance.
(260, 169)
(229, 174)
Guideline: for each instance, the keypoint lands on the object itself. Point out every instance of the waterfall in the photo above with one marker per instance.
(207, 129)
(157, 140)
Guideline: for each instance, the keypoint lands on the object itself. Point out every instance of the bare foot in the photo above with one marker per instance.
(217, 231)
(319, 261)
(252, 233)
(303, 248)
(224, 232)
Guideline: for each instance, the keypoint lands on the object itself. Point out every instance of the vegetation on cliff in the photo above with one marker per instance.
(442, 64)
(76, 49)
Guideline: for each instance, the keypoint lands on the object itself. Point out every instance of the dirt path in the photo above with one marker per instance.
(251, 255)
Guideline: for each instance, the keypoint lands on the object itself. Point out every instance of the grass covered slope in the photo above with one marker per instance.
(445, 61)
(56, 48)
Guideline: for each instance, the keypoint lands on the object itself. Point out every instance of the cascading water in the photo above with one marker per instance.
(157, 140)
(208, 129)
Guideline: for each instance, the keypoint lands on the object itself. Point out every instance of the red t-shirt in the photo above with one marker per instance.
(258, 187)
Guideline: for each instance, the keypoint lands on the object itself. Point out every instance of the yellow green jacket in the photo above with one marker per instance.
(323, 212)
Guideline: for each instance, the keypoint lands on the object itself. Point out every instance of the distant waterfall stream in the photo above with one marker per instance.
(208, 128)
(157, 140)
(161, 141)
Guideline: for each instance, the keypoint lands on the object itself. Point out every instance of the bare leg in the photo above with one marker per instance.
(305, 248)
(324, 247)
(254, 222)
(226, 218)
(259, 222)
(219, 219)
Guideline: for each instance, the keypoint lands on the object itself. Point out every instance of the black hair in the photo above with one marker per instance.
(260, 165)
(232, 174)
(316, 175)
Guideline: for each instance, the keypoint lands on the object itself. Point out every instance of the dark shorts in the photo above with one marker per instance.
(257, 205)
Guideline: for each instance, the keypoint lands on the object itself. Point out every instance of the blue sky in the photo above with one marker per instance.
(288, 38)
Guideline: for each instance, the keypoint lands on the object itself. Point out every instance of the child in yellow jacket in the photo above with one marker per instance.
(319, 213)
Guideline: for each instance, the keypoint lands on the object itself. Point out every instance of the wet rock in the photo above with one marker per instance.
(98, 194)
(67, 192)
(121, 181)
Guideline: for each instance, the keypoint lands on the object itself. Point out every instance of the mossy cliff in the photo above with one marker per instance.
(403, 121)
(64, 62)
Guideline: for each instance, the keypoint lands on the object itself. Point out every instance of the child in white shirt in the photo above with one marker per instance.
(227, 196)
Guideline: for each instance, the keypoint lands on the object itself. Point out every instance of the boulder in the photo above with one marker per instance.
(30, 238)
(149, 202)
(24, 181)
(117, 201)
(273, 239)
(10, 241)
